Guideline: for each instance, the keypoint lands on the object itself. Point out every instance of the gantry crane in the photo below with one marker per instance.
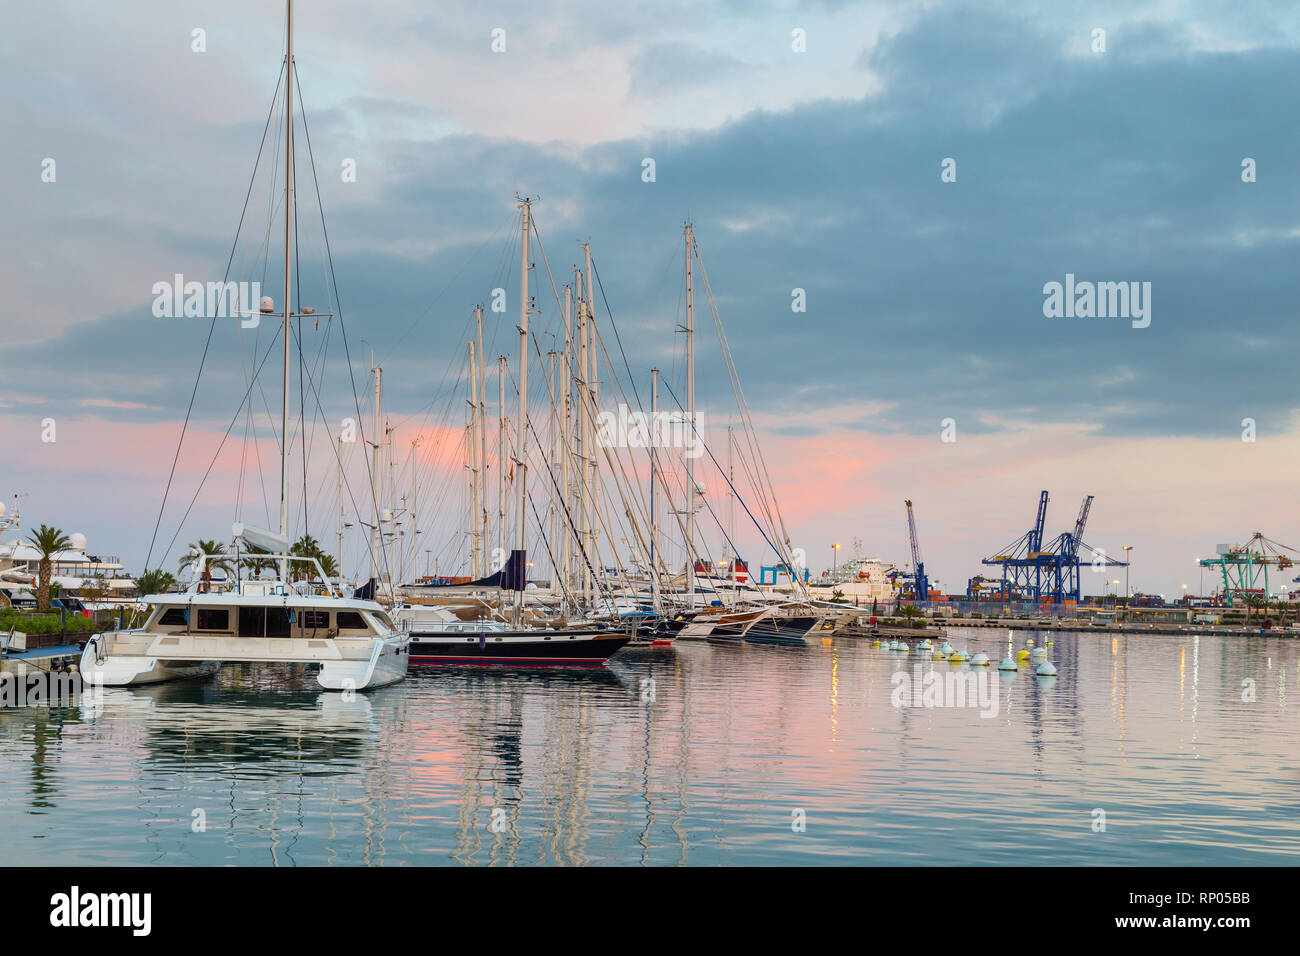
(1051, 571)
(920, 583)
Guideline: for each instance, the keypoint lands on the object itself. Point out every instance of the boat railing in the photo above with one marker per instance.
(278, 586)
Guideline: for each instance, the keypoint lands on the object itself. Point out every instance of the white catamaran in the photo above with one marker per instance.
(353, 642)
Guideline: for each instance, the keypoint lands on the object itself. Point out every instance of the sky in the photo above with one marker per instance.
(923, 365)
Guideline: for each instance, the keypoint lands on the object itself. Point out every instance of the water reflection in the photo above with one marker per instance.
(696, 755)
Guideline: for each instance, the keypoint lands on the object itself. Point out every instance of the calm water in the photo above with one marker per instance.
(491, 768)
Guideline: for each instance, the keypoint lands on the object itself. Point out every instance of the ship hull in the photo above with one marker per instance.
(573, 648)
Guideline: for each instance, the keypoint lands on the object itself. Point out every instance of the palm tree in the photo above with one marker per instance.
(47, 541)
(309, 547)
(255, 564)
(157, 581)
(216, 558)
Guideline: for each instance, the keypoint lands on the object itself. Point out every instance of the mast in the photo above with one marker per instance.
(584, 444)
(654, 493)
(521, 447)
(481, 519)
(731, 504)
(471, 447)
(288, 239)
(555, 464)
(342, 515)
(374, 477)
(501, 457)
(415, 523)
(565, 561)
(690, 415)
(594, 525)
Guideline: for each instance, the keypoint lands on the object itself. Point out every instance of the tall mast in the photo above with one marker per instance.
(551, 383)
(501, 456)
(731, 504)
(415, 518)
(342, 515)
(288, 313)
(475, 465)
(481, 519)
(521, 446)
(584, 445)
(654, 494)
(374, 477)
(565, 561)
(690, 416)
(594, 524)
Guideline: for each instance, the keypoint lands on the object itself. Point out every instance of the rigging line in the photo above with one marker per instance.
(567, 515)
(215, 454)
(601, 513)
(211, 328)
(751, 437)
(614, 325)
(334, 447)
(338, 301)
(541, 533)
(727, 478)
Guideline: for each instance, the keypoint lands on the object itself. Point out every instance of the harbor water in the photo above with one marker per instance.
(1145, 749)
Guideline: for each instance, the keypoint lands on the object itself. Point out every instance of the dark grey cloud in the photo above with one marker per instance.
(1125, 166)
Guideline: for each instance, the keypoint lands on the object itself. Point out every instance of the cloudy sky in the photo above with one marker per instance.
(817, 170)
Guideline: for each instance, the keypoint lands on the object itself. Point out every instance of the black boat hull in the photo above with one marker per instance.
(572, 648)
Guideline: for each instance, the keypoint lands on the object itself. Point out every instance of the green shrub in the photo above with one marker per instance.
(43, 622)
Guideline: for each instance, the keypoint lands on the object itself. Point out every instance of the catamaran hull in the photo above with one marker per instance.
(132, 671)
(516, 648)
(387, 664)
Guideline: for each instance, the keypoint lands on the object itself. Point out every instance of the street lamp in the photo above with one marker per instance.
(1116, 583)
(1127, 549)
(835, 553)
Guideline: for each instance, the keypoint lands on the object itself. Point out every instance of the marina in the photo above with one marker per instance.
(574, 441)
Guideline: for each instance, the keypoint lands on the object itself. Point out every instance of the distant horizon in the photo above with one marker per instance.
(962, 252)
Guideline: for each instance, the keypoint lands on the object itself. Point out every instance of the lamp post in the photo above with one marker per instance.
(1116, 583)
(1184, 595)
(1127, 549)
(835, 553)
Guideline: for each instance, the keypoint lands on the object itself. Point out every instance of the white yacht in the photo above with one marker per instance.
(352, 644)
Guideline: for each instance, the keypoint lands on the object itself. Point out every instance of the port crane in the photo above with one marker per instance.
(920, 583)
(1245, 566)
(1052, 571)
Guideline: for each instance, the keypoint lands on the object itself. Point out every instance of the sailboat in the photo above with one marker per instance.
(442, 642)
(349, 643)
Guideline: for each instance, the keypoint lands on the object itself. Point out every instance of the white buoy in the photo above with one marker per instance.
(1039, 655)
(1008, 665)
(1046, 669)
(980, 660)
(904, 648)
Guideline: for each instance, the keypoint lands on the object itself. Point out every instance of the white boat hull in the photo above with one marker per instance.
(193, 657)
